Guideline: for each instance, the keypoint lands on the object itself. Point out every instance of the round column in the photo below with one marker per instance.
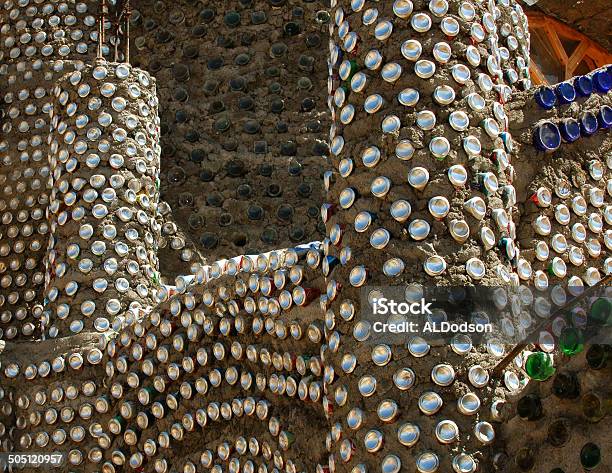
(102, 268)
(420, 195)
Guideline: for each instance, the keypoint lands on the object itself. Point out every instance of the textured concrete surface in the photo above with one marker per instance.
(250, 367)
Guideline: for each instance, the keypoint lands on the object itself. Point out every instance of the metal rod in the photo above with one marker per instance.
(101, 22)
(117, 42)
(100, 33)
(128, 14)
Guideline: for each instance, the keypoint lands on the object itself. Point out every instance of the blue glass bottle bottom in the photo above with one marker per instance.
(547, 137)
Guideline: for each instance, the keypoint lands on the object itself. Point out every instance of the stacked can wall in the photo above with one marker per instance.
(39, 43)
(260, 364)
(104, 165)
(420, 192)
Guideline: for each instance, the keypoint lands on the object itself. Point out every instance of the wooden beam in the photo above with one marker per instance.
(556, 44)
(599, 54)
(536, 19)
(575, 59)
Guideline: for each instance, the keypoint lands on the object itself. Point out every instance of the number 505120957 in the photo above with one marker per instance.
(35, 460)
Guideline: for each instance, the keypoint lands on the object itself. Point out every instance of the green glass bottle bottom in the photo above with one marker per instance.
(539, 366)
(571, 341)
(601, 312)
